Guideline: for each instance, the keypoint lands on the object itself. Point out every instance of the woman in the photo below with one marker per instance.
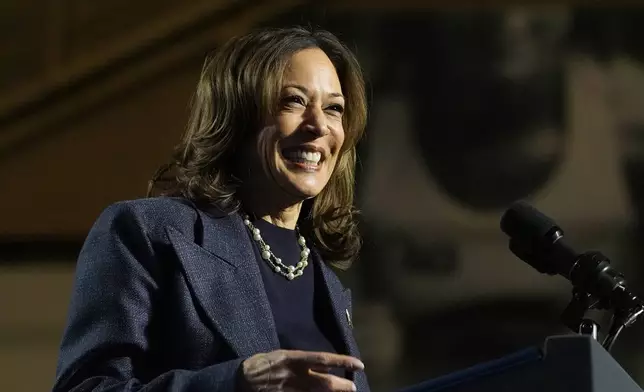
(222, 283)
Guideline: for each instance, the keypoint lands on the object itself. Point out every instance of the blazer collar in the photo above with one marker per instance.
(221, 269)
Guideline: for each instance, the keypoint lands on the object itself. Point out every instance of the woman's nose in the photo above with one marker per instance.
(316, 122)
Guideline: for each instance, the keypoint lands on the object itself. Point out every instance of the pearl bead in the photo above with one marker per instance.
(289, 272)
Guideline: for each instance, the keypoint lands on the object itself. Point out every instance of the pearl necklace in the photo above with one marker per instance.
(288, 271)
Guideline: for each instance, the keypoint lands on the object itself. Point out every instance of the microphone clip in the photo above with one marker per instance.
(574, 315)
(591, 274)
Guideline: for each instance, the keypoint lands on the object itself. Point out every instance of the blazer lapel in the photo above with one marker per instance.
(225, 278)
(342, 311)
(341, 305)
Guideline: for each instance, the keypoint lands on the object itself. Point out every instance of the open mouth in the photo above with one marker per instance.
(303, 157)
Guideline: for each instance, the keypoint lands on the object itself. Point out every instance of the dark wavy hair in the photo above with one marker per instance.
(238, 89)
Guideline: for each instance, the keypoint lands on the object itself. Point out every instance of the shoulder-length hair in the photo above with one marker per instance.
(239, 87)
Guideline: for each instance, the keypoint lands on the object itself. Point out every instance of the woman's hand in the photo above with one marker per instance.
(286, 370)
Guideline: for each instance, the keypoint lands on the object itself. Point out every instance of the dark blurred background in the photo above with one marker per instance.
(471, 108)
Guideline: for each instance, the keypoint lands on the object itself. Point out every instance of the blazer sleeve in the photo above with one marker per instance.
(104, 344)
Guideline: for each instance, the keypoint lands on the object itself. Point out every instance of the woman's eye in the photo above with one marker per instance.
(336, 108)
(293, 99)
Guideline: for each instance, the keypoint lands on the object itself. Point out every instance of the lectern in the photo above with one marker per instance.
(575, 363)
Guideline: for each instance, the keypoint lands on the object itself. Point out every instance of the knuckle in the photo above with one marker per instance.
(280, 356)
(321, 359)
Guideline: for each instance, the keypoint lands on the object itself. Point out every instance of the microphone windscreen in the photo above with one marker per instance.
(526, 223)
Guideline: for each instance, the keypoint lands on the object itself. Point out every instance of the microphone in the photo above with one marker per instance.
(539, 241)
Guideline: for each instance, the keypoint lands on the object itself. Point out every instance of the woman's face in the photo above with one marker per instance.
(299, 147)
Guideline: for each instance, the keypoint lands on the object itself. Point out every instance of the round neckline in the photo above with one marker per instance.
(266, 224)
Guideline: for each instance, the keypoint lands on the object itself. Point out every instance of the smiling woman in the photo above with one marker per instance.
(223, 283)
(261, 99)
(300, 144)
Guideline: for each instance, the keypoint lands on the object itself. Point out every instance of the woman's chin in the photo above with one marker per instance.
(304, 184)
(304, 187)
(304, 191)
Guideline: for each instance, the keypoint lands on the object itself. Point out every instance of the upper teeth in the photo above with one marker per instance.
(306, 155)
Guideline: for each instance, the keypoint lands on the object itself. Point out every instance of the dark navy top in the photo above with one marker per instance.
(301, 308)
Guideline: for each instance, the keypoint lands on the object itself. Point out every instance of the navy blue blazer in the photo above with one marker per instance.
(168, 297)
